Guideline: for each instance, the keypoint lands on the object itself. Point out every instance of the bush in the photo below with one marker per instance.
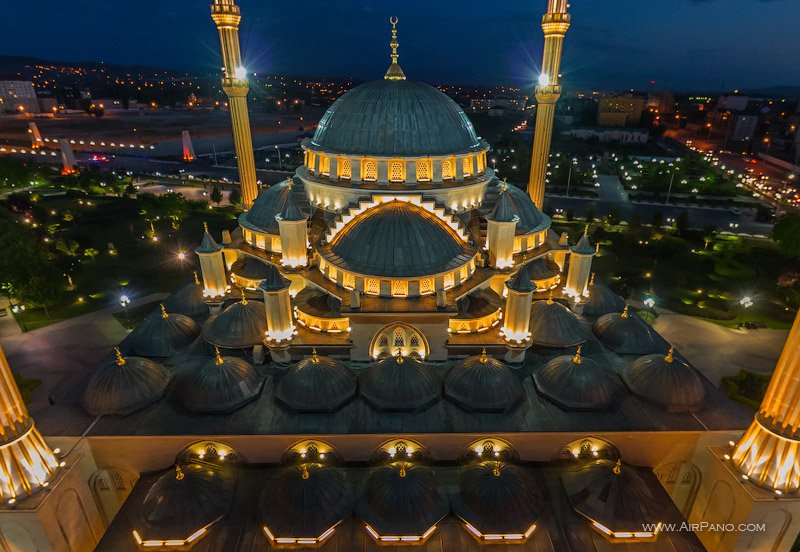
(746, 387)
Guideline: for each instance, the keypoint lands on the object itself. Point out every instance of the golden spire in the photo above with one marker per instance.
(205, 226)
(120, 360)
(617, 469)
(577, 358)
(394, 72)
(304, 470)
(550, 298)
(586, 230)
(179, 475)
(591, 279)
(670, 355)
(244, 299)
(314, 357)
(398, 356)
(402, 469)
(624, 312)
(597, 248)
(218, 360)
(196, 278)
(164, 313)
(484, 358)
(496, 469)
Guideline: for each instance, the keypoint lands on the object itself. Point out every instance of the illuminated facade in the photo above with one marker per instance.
(548, 90)
(226, 16)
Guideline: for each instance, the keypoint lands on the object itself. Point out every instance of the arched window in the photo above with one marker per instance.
(466, 165)
(311, 160)
(481, 159)
(372, 286)
(426, 286)
(424, 170)
(408, 339)
(449, 168)
(325, 165)
(369, 170)
(345, 169)
(399, 338)
(414, 341)
(349, 280)
(399, 288)
(384, 340)
(449, 280)
(397, 172)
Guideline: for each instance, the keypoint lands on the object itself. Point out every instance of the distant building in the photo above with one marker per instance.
(622, 111)
(741, 128)
(18, 96)
(733, 103)
(610, 135)
(506, 102)
(661, 102)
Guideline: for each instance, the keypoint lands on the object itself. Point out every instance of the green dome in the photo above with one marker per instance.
(395, 117)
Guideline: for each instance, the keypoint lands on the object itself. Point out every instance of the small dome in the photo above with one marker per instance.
(542, 269)
(482, 384)
(317, 384)
(628, 334)
(667, 381)
(161, 336)
(478, 304)
(218, 385)
(399, 384)
(270, 202)
(577, 383)
(497, 498)
(304, 501)
(189, 498)
(554, 325)
(250, 268)
(241, 325)
(517, 202)
(402, 499)
(602, 300)
(397, 239)
(187, 300)
(613, 495)
(125, 385)
(395, 118)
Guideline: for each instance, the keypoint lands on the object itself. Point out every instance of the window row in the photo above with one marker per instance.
(397, 170)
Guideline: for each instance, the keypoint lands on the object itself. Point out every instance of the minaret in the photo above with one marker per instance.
(554, 24)
(26, 464)
(769, 453)
(212, 266)
(293, 229)
(502, 224)
(226, 16)
(580, 266)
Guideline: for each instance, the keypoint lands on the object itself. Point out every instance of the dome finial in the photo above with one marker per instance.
(496, 470)
(179, 475)
(624, 312)
(205, 226)
(394, 72)
(398, 356)
(591, 280)
(484, 357)
(670, 355)
(617, 467)
(304, 469)
(244, 299)
(402, 469)
(550, 298)
(217, 357)
(196, 278)
(164, 313)
(120, 359)
(314, 357)
(577, 358)
(586, 230)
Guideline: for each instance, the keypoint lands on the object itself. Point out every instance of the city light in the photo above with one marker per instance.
(746, 302)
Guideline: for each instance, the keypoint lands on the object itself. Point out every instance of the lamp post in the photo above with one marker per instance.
(124, 301)
(280, 162)
(669, 191)
(746, 302)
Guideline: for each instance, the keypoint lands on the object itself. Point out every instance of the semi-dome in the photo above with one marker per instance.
(241, 325)
(602, 300)
(190, 498)
(125, 385)
(399, 384)
(218, 385)
(305, 501)
(542, 269)
(188, 300)
(402, 499)
(577, 383)
(317, 384)
(554, 325)
(613, 496)
(482, 384)
(250, 268)
(518, 203)
(665, 380)
(498, 499)
(161, 336)
(626, 333)
(395, 118)
(397, 239)
(270, 202)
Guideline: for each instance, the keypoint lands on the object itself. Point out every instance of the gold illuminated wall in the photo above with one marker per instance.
(769, 452)
(27, 464)
(226, 16)
(554, 24)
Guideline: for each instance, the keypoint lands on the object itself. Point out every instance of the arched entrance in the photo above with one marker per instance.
(405, 337)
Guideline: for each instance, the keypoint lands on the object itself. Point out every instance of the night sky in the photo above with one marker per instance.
(682, 44)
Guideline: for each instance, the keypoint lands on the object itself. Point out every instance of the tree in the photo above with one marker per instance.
(216, 195)
(590, 214)
(91, 252)
(68, 247)
(235, 197)
(41, 290)
(636, 220)
(130, 190)
(614, 217)
(787, 234)
(658, 219)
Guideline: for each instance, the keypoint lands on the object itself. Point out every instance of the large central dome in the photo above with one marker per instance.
(395, 117)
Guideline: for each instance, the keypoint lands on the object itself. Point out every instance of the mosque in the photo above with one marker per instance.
(394, 348)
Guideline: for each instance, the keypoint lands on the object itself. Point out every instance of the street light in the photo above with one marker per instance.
(124, 301)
